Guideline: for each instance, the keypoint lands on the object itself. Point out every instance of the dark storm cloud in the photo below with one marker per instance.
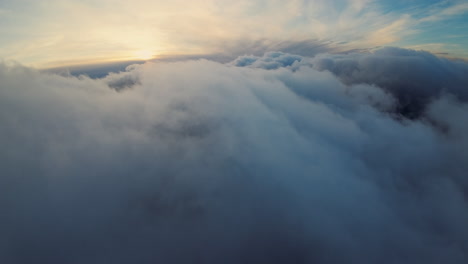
(202, 162)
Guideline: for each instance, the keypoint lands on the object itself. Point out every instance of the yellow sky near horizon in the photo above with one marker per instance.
(62, 32)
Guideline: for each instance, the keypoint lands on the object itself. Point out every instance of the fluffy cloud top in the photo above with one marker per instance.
(414, 77)
(288, 160)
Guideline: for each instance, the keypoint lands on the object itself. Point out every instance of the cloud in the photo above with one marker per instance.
(414, 77)
(122, 80)
(444, 12)
(271, 60)
(290, 159)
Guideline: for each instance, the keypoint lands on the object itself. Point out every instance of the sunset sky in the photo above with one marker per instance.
(62, 32)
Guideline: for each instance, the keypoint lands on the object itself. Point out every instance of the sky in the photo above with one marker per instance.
(62, 32)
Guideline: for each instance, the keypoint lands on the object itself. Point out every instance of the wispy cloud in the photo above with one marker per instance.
(440, 13)
(120, 29)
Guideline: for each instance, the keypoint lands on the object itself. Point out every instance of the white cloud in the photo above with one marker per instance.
(202, 161)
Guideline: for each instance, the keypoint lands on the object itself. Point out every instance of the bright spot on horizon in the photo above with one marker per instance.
(144, 54)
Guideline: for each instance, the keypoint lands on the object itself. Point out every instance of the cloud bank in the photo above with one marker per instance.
(271, 159)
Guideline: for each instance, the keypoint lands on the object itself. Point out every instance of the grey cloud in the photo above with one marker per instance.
(271, 60)
(203, 162)
(99, 70)
(123, 80)
(414, 77)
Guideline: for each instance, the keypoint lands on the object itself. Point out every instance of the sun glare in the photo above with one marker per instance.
(144, 54)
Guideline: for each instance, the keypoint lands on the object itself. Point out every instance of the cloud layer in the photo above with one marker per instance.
(272, 159)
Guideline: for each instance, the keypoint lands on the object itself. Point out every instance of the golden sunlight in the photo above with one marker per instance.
(144, 54)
